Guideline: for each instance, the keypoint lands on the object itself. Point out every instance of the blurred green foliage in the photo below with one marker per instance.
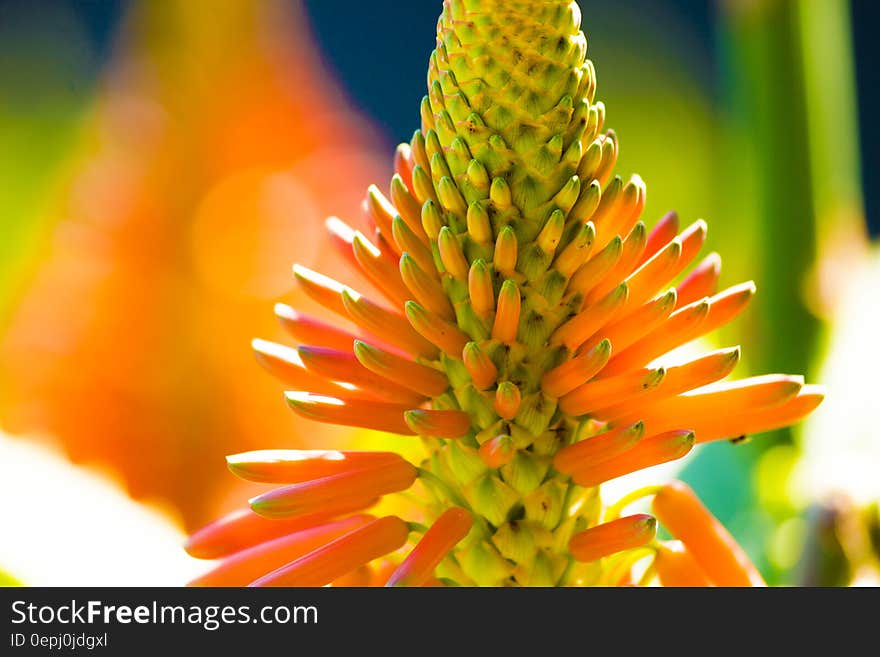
(47, 71)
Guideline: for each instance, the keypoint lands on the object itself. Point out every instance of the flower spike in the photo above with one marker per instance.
(523, 326)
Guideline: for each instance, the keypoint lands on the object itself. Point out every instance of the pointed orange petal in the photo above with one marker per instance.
(388, 325)
(286, 365)
(452, 526)
(379, 265)
(341, 555)
(344, 366)
(633, 247)
(606, 392)
(409, 243)
(577, 371)
(595, 449)
(507, 400)
(403, 164)
(701, 282)
(244, 567)
(758, 420)
(611, 537)
(677, 329)
(507, 313)
(631, 328)
(436, 331)
(713, 548)
(588, 321)
(348, 412)
(427, 290)
(595, 269)
(409, 208)
(497, 451)
(421, 378)
(718, 400)
(243, 528)
(679, 378)
(367, 482)
(310, 330)
(480, 288)
(322, 289)
(482, 370)
(341, 236)
(651, 451)
(692, 239)
(439, 424)
(289, 466)
(381, 211)
(663, 232)
(653, 275)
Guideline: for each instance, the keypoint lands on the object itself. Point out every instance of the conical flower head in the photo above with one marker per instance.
(522, 314)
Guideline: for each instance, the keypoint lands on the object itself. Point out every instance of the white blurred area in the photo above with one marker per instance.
(64, 525)
(841, 440)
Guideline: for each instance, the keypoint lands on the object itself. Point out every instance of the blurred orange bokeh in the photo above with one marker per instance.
(214, 150)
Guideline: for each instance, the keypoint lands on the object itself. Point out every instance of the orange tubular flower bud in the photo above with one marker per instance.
(711, 545)
(479, 366)
(663, 232)
(606, 539)
(606, 392)
(322, 289)
(452, 526)
(719, 401)
(637, 324)
(348, 412)
(649, 452)
(290, 466)
(507, 400)
(594, 450)
(286, 365)
(242, 568)
(675, 566)
(421, 378)
(584, 325)
(679, 378)
(426, 289)
(577, 371)
(243, 528)
(310, 330)
(649, 279)
(380, 267)
(633, 247)
(388, 325)
(367, 482)
(701, 282)
(410, 209)
(341, 556)
(440, 424)
(445, 335)
(336, 365)
(507, 313)
(403, 164)
(497, 451)
(757, 420)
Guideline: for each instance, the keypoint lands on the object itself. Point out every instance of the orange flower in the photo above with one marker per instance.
(521, 317)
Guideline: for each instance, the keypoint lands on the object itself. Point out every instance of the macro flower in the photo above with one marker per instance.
(520, 326)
